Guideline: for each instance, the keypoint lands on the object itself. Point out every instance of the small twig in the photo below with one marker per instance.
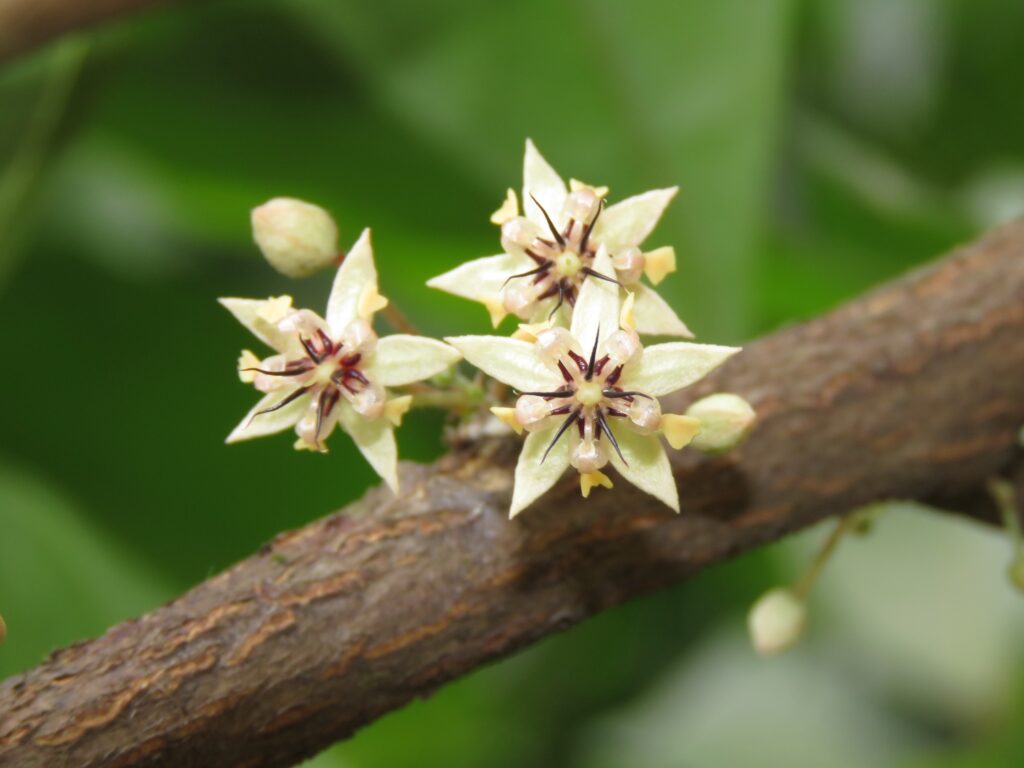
(398, 321)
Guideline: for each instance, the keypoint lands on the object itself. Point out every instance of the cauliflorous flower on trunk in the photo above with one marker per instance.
(588, 396)
(334, 370)
(550, 252)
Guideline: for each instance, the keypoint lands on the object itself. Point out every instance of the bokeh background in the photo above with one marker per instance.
(821, 147)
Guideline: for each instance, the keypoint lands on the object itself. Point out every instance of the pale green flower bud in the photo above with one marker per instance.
(725, 420)
(3, 630)
(297, 238)
(776, 621)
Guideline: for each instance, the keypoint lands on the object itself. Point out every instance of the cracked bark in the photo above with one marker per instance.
(914, 391)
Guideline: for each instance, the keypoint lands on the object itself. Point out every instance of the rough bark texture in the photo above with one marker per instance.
(914, 391)
(27, 24)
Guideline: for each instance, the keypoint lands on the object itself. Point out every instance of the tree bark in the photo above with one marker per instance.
(28, 24)
(914, 391)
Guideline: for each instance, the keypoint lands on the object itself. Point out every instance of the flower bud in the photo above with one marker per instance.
(725, 420)
(297, 238)
(3, 630)
(776, 621)
(629, 265)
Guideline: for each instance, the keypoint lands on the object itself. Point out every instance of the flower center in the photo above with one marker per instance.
(568, 264)
(590, 393)
(562, 261)
(329, 370)
(590, 398)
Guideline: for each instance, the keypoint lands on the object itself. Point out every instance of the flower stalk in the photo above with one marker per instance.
(1005, 498)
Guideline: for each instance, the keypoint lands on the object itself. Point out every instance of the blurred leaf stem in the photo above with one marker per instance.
(21, 178)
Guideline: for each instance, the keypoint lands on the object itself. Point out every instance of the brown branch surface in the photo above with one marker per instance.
(27, 24)
(915, 391)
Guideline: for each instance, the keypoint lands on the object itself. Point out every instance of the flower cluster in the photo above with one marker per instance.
(586, 390)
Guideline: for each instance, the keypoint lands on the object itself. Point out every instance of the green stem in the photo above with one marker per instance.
(460, 395)
(449, 400)
(804, 584)
(397, 319)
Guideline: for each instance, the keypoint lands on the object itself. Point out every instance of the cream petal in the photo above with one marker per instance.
(402, 359)
(481, 279)
(648, 467)
(534, 474)
(355, 277)
(543, 182)
(629, 222)
(664, 368)
(511, 361)
(375, 439)
(597, 308)
(255, 314)
(654, 316)
(254, 425)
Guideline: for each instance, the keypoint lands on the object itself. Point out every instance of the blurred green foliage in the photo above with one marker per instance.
(820, 147)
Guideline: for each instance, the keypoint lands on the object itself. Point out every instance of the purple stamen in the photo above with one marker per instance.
(561, 431)
(551, 225)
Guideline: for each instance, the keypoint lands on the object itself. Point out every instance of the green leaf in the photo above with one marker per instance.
(61, 579)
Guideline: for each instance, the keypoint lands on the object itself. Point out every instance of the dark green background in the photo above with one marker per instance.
(820, 147)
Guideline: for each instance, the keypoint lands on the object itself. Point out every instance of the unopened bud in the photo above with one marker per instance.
(776, 621)
(297, 238)
(3, 629)
(725, 420)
